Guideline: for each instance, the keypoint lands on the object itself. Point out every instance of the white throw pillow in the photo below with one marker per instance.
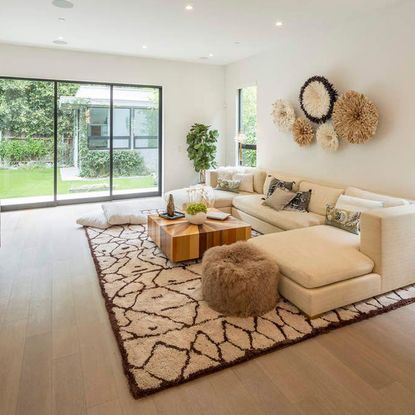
(123, 213)
(356, 204)
(246, 182)
(388, 201)
(95, 219)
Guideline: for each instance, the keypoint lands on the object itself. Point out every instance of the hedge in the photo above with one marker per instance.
(14, 151)
(96, 163)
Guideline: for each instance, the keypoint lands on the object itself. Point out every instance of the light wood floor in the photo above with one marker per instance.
(58, 354)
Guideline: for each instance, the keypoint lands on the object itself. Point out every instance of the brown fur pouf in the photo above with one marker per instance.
(239, 280)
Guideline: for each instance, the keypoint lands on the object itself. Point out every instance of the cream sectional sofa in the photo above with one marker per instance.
(323, 267)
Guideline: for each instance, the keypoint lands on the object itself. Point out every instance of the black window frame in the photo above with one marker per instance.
(244, 146)
(141, 137)
(115, 137)
(111, 196)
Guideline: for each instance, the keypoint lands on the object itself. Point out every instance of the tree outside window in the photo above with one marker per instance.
(247, 107)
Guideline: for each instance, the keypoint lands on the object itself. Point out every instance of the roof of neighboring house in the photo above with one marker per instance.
(100, 95)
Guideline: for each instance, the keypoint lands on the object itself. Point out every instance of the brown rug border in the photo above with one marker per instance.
(138, 393)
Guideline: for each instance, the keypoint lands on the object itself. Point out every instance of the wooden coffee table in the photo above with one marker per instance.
(181, 241)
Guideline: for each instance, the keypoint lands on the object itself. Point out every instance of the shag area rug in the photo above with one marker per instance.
(167, 334)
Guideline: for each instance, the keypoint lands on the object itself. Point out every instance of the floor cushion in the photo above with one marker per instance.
(123, 213)
(95, 219)
(239, 280)
(284, 219)
(316, 256)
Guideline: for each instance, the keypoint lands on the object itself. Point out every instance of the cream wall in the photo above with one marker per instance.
(191, 92)
(372, 54)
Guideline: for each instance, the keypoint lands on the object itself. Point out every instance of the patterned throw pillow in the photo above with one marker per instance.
(278, 184)
(343, 219)
(300, 202)
(228, 185)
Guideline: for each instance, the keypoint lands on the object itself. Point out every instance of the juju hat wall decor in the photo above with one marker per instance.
(317, 98)
(355, 117)
(303, 132)
(283, 114)
(327, 137)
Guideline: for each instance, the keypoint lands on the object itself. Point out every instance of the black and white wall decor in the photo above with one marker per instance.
(317, 98)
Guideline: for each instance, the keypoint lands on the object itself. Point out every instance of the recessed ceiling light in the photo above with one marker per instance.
(61, 19)
(144, 46)
(60, 41)
(203, 57)
(237, 42)
(210, 55)
(189, 7)
(278, 24)
(63, 4)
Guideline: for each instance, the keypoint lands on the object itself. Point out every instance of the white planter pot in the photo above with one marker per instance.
(197, 219)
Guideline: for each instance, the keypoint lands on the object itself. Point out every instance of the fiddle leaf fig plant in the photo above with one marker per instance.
(201, 148)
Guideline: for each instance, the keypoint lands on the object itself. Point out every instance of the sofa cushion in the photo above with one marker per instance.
(357, 204)
(388, 201)
(321, 196)
(316, 256)
(228, 172)
(223, 199)
(284, 219)
(246, 181)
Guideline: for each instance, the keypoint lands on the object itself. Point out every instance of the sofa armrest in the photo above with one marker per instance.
(388, 238)
(212, 178)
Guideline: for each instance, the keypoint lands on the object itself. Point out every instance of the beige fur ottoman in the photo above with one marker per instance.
(239, 280)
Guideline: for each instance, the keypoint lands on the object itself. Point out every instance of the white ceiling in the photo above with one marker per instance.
(169, 31)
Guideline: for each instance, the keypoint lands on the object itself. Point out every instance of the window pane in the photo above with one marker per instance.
(83, 140)
(248, 157)
(247, 122)
(26, 141)
(136, 120)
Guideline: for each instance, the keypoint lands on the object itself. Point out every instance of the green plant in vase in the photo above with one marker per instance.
(196, 213)
(201, 148)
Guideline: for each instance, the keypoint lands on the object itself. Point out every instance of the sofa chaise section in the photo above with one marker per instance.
(324, 268)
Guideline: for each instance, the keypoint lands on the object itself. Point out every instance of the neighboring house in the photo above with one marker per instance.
(135, 118)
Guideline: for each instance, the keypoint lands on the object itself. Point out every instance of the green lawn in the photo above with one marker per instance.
(39, 182)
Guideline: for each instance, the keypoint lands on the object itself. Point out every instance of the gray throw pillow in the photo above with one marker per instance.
(279, 199)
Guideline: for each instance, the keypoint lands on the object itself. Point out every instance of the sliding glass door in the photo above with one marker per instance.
(136, 139)
(64, 141)
(26, 141)
(83, 140)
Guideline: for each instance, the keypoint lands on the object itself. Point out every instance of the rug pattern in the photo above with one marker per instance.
(168, 335)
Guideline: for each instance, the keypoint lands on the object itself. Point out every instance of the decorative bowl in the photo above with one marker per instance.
(198, 219)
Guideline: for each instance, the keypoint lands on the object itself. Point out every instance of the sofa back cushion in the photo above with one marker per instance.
(321, 196)
(230, 171)
(357, 204)
(388, 201)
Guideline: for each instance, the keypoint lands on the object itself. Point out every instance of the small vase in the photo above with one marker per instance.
(198, 219)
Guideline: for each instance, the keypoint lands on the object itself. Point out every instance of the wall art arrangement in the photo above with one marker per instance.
(354, 118)
(303, 132)
(317, 98)
(283, 114)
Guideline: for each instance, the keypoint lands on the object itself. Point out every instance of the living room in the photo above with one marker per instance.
(207, 207)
